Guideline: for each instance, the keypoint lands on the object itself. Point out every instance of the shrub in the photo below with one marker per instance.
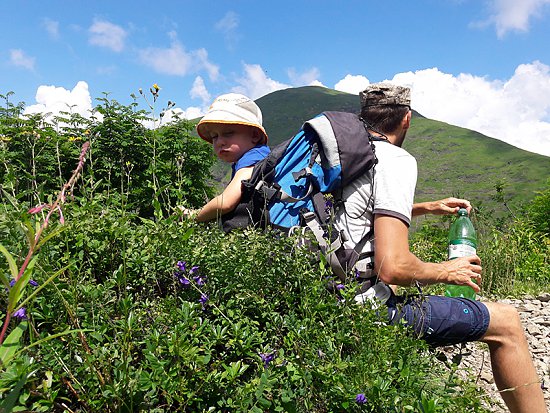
(246, 324)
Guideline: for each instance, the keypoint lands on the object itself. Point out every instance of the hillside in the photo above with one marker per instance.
(451, 160)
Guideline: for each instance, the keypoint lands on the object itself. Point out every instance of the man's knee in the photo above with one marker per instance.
(504, 323)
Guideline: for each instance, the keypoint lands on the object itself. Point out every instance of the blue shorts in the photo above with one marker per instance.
(439, 320)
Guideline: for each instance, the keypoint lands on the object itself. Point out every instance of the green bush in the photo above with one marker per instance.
(247, 325)
(150, 170)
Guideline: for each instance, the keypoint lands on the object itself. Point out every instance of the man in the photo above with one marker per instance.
(384, 199)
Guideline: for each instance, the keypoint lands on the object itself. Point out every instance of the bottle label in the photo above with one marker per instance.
(461, 248)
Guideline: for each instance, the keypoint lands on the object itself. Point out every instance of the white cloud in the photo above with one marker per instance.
(255, 83)
(352, 84)
(191, 112)
(228, 23)
(516, 111)
(308, 78)
(514, 15)
(106, 34)
(52, 27)
(175, 60)
(228, 26)
(53, 100)
(20, 59)
(198, 90)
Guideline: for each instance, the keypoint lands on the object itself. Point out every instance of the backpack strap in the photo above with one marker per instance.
(329, 250)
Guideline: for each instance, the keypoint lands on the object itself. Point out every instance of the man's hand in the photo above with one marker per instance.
(464, 271)
(447, 206)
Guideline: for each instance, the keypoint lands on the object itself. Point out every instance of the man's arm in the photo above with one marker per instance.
(395, 264)
(445, 206)
(228, 200)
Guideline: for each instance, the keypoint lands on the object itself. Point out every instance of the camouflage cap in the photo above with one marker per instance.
(381, 94)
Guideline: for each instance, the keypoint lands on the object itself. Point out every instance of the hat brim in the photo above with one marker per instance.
(214, 117)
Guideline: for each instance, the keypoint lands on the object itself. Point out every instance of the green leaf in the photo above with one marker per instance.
(52, 234)
(187, 234)
(41, 286)
(30, 233)
(15, 291)
(12, 343)
(13, 267)
(11, 399)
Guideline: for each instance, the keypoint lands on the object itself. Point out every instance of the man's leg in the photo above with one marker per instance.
(513, 369)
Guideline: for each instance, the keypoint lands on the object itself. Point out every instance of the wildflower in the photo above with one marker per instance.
(194, 269)
(360, 398)
(184, 281)
(181, 265)
(199, 280)
(31, 282)
(37, 209)
(61, 217)
(267, 358)
(21, 314)
(156, 87)
(340, 286)
(203, 300)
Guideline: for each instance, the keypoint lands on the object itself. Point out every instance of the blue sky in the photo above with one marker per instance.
(480, 64)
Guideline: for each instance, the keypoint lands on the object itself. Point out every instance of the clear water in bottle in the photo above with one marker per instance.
(462, 242)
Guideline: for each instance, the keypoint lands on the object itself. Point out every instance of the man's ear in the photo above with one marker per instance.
(406, 123)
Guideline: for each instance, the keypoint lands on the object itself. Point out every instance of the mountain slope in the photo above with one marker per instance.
(451, 160)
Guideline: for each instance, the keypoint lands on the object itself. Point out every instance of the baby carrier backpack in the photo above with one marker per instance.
(290, 188)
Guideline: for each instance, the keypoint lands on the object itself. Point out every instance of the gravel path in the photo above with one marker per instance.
(535, 315)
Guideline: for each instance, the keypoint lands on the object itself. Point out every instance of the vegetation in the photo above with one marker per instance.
(113, 303)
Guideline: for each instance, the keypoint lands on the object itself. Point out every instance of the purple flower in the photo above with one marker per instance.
(340, 286)
(181, 265)
(360, 398)
(194, 269)
(267, 358)
(199, 280)
(21, 314)
(184, 281)
(203, 300)
(31, 282)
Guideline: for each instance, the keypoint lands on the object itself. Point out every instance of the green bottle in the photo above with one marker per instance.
(462, 242)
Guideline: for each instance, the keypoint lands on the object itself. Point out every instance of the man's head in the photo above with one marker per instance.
(233, 109)
(386, 108)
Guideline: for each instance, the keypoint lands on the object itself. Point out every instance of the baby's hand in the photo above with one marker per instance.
(186, 212)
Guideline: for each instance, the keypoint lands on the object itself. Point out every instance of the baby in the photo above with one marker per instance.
(233, 125)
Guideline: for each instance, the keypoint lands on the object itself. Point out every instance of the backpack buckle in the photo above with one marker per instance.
(304, 173)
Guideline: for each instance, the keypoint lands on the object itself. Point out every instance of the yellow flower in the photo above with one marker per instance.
(156, 87)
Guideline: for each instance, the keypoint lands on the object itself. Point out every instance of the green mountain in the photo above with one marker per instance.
(451, 160)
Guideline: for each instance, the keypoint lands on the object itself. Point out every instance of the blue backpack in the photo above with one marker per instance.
(287, 189)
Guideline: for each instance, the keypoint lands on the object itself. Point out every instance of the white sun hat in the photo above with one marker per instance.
(232, 108)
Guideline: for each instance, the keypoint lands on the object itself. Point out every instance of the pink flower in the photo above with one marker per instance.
(37, 209)
(61, 217)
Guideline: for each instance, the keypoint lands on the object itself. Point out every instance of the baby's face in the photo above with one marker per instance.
(231, 141)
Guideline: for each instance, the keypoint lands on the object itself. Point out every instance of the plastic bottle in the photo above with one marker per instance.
(462, 242)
